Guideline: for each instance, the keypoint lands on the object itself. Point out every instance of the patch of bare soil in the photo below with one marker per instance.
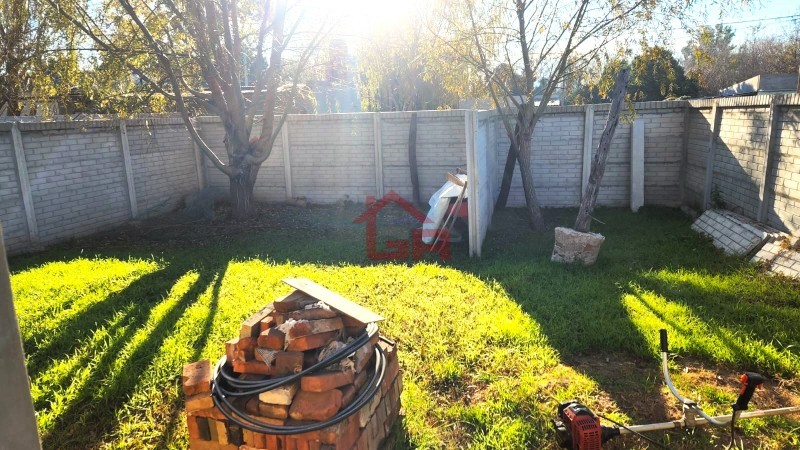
(178, 228)
(636, 387)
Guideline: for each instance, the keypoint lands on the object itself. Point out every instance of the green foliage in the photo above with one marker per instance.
(656, 75)
(401, 68)
(487, 347)
(709, 58)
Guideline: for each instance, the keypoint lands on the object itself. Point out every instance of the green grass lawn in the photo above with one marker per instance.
(488, 347)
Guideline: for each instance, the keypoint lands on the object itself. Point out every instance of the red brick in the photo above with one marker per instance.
(361, 379)
(252, 325)
(259, 440)
(197, 377)
(327, 435)
(365, 354)
(292, 302)
(314, 445)
(212, 428)
(311, 342)
(222, 432)
(380, 418)
(312, 314)
(309, 327)
(366, 412)
(348, 394)
(361, 444)
(199, 444)
(244, 355)
(255, 367)
(267, 323)
(288, 363)
(273, 411)
(315, 405)
(390, 351)
(230, 350)
(290, 443)
(347, 439)
(211, 413)
(199, 401)
(192, 427)
(388, 377)
(273, 443)
(251, 406)
(302, 444)
(248, 437)
(325, 381)
(247, 343)
(272, 339)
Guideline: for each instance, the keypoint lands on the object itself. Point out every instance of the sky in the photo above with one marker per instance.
(764, 18)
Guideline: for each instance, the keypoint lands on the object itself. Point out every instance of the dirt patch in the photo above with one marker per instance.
(177, 229)
(636, 387)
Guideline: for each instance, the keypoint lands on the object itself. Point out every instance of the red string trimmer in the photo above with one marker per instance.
(578, 428)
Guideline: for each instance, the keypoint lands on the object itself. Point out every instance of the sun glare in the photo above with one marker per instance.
(363, 17)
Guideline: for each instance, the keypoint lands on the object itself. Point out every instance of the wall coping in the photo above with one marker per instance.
(110, 122)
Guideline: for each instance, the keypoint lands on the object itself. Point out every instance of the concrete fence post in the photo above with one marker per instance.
(588, 133)
(378, 144)
(17, 418)
(24, 183)
(126, 157)
(769, 161)
(684, 166)
(472, 200)
(200, 165)
(287, 159)
(716, 114)
(637, 165)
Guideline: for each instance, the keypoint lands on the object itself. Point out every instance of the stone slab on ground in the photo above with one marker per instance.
(732, 233)
(781, 256)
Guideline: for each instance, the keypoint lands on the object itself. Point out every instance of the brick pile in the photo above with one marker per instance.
(284, 338)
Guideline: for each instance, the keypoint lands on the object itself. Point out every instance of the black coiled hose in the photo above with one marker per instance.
(226, 385)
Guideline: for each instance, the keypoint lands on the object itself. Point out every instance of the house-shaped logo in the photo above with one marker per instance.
(399, 249)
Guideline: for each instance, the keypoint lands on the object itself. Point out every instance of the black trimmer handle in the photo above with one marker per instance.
(750, 381)
(664, 344)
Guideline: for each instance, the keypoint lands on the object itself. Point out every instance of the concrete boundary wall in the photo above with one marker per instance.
(64, 179)
(60, 180)
(743, 154)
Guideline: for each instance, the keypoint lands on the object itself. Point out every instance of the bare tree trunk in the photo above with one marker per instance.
(508, 172)
(584, 220)
(524, 157)
(412, 158)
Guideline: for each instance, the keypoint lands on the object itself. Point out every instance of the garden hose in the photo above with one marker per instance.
(226, 385)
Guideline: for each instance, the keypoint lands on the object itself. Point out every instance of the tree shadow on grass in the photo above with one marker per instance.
(91, 415)
(760, 332)
(581, 310)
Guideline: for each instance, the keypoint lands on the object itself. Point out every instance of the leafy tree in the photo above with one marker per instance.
(399, 68)
(656, 75)
(38, 56)
(196, 53)
(709, 58)
(768, 55)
